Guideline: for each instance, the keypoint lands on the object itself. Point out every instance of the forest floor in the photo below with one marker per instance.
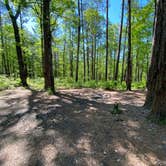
(76, 128)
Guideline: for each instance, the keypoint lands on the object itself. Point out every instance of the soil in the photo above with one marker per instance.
(76, 128)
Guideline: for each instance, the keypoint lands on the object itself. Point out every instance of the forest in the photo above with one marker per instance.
(83, 82)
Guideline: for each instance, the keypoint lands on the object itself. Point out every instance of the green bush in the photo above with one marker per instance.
(8, 82)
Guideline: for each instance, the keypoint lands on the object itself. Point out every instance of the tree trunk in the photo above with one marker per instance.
(84, 58)
(4, 65)
(88, 62)
(87, 54)
(153, 69)
(48, 68)
(71, 55)
(21, 63)
(78, 42)
(157, 71)
(124, 53)
(129, 60)
(106, 59)
(92, 59)
(119, 44)
(64, 60)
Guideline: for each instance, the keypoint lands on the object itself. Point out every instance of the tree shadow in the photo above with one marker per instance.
(70, 129)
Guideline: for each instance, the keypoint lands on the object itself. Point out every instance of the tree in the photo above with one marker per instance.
(129, 61)
(78, 41)
(4, 62)
(157, 72)
(106, 59)
(21, 59)
(119, 44)
(48, 69)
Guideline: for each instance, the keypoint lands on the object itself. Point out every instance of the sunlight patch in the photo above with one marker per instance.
(49, 152)
(84, 145)
(15, 154)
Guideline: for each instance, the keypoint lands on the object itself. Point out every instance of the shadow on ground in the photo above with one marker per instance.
(77, 128)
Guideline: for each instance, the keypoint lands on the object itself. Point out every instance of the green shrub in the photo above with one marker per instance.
(116, 109)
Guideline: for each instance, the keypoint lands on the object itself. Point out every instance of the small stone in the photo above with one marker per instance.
(118, 160)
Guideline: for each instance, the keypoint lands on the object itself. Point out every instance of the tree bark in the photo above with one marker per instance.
(78, 42)
(157, 71)
(119, 44)
(106, 59)
(48, 68)
(129, 59)
(21, 63)
(84, 56)
(64, 59)
(4, 65)
(71, 54)
(124, 53)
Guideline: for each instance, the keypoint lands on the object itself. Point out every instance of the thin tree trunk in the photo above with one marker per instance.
(129, 59)
(64, 59)
(3, 47)
(88, 73)
(106, 59)
(78, 43)
(119, 44)
(22, 65)
(84, 56)
(71, 55)
(92, 59)
(124, 53)
(87, 54)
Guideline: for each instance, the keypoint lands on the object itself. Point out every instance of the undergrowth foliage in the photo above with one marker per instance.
(37, 83)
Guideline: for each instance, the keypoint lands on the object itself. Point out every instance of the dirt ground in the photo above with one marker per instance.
(76, 128)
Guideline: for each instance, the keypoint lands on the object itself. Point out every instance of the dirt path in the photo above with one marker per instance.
(76, 128)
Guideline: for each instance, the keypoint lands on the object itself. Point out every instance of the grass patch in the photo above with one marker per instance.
(68, 83)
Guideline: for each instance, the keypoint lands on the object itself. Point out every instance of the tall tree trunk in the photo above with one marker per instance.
(114, 62)
(64, 59)
(106, 59)
(124, 53)
(87, 54)
(84, 56)
(152, 73)
(41, 37)
(78, 42)
(48, 68)
(92, 59)
(88, 73)
(119, 44)
(21, 63)
(71, 54)
(129, 59)
(157, 71)
(4, 65)
(155, 10)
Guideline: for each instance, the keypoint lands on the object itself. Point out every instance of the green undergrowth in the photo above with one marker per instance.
(116, 110)
(8, 82)
(38, 84)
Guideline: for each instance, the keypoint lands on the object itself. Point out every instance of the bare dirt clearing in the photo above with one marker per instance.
(75, 127)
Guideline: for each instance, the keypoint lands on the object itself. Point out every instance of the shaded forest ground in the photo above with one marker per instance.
(75, 127)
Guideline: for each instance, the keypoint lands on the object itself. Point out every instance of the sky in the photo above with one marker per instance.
(115, 11)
